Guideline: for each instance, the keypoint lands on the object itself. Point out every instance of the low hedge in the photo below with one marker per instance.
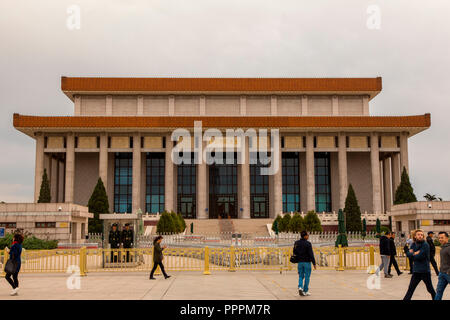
(29, 243)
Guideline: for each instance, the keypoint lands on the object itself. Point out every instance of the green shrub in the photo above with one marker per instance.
(284, 224)
(29, 243)
(165, 223)
(296, 224)
(277, 220)
(312, 222)
(176, 222)
(384, 230)
(182, 222)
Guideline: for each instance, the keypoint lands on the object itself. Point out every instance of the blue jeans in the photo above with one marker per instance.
(304, 272)
(443, 281)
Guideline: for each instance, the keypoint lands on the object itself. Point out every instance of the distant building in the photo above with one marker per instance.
(121, 131)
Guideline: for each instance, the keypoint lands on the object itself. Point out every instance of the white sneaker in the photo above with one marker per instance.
(307, 293)
(13, 292)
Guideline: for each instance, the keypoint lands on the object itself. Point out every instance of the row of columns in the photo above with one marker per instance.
(393, 164)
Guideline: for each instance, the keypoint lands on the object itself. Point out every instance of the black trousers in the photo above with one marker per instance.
(161, 266)
(411, 263)
(127, 249)
(415, 280)
(14, 282)
(392, 261)
(434, 264)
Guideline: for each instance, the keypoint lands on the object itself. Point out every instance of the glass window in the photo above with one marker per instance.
(155, 177)
(291, 181)
(187, 189)
(259, 190)
(123, 181)
(322, 181)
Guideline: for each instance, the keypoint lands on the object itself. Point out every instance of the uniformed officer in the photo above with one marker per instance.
(127, 239)
(114, 241)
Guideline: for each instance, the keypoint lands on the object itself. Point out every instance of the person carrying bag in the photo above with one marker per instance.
(12, 266)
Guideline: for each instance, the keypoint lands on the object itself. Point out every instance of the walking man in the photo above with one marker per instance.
(432, 252)
(385, 253)
(420, 251)
(444, 275)
(305, 256)
(393, 251)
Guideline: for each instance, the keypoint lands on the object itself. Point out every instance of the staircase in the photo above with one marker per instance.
(226, 226)
(255, 227)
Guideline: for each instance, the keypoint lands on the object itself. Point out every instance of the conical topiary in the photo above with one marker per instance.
(296, 224)
(352, 211)
(342, 233)
(44, 192)
(311, 222)
(98, 204)
(404, 192)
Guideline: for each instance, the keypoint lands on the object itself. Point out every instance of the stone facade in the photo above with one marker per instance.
(138, 116)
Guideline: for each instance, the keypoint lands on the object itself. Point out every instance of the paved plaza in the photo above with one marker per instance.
(325, 284)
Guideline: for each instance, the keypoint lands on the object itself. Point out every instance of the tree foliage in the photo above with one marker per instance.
(404, 192)
(98, 204)
(284, 224)
(44, 192)
(352, 211)
(277, 224)
(312, 222)
(296, 224)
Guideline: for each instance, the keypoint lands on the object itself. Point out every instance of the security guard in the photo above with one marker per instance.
(114, 241)
(127, 239)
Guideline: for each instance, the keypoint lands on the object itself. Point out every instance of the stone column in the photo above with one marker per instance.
(39, 165)
(245, 182)
(103, 160)
(387, 184)
(278, 182)
(375, 165)
(168, 188)
(136, 190)
(202, 190)
(404, 152)
(70, 167)
(342, 162)
(396, 174)
(310, 176)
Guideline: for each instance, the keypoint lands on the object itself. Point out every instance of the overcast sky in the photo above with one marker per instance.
(245, 38)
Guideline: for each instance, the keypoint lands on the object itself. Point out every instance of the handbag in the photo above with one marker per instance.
(11, 266)
(294, 258)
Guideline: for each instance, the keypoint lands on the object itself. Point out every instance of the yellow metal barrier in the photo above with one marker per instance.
(205, 260)
(5, 259)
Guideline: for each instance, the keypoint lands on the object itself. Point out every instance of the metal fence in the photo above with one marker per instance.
(226, 239)
(204, 259)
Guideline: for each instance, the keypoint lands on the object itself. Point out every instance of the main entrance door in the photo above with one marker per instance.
(223, 191)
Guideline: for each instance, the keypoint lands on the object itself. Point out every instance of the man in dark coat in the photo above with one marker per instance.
(420, 251)
(393, 252)
(444, 275)
(385, 254)
(432, 252)
(305, 257)
(127, 239)
(114, 241)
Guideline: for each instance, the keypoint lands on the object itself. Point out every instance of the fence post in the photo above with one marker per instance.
(206, 261)
(372, 260)
(83, 261)
(5, 259)
(232, 259)
(341, 258)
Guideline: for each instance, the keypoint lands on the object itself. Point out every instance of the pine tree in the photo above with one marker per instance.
(277, 224)
(44, 193)
(312, 222)
(352, 211)
(404, 192)
(283, 226)
(165, 223)
(182, 222)
(296, 224)
(98, 204)
(176, 222)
